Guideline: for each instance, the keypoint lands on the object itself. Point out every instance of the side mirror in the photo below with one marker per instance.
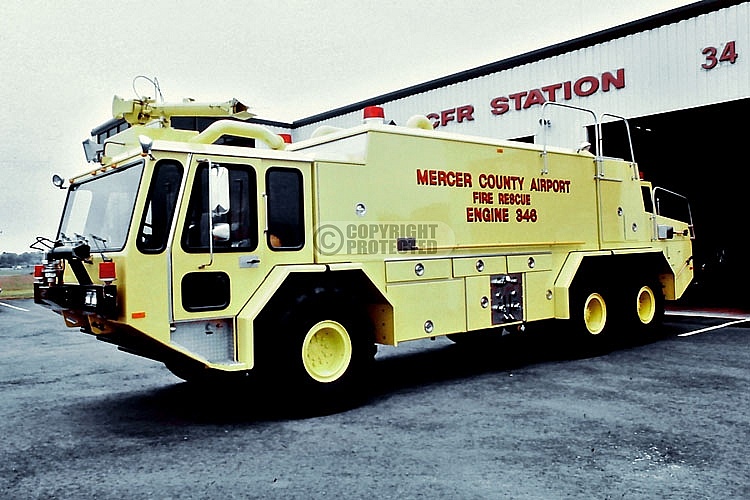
(221, 232)
(58, 181)
(146, 144)
(218, 185)
(218, 205)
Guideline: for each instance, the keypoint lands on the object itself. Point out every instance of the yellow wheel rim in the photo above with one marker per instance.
(646, 306)
(326, 351)
(595, 314)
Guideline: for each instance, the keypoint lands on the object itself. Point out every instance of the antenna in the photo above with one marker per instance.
(153, 81)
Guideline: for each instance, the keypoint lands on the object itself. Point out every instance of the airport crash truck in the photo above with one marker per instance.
(293, 261)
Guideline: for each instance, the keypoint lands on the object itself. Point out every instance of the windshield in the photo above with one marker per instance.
(98, 211)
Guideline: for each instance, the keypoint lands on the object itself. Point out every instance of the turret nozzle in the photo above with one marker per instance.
(143, 111)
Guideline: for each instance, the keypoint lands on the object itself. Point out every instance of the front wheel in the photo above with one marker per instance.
(318, 350)
(326, 351)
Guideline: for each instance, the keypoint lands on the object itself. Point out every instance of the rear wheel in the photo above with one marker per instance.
(591, 321)
(645, 306)
(594, 314)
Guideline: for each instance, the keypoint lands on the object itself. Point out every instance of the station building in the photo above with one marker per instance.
(681, 78)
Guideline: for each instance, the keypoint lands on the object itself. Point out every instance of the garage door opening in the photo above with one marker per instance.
(698, 152)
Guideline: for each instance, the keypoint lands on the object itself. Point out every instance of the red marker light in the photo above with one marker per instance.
(107, 272)
(287, 138)
(39, 273)
(374, 112)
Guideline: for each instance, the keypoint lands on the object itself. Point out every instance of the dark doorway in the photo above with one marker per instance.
(697, 153)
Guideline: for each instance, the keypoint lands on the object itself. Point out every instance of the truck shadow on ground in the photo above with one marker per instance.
(173, 407)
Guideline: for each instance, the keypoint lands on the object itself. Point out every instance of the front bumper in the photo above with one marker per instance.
(93, 299)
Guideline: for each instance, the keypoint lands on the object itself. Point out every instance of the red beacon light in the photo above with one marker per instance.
(39, 273)
(107, 273)
(374, 114)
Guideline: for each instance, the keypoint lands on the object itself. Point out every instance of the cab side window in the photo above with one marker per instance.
(233, 221)
(160, 207)
(285, 209)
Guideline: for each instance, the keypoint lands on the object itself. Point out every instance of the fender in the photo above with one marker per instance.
(380, 310)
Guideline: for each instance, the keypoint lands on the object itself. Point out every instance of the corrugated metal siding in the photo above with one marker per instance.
(662, 73)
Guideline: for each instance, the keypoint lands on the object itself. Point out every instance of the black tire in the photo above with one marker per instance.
(317, 350)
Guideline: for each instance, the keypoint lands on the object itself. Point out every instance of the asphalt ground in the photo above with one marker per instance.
(525, 419)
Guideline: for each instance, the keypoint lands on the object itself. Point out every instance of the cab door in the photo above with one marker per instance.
(217, 256)
(240, 218)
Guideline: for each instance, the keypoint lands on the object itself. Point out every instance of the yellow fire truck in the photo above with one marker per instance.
(293, 261)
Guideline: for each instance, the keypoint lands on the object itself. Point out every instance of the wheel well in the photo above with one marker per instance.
(581, 269)
(354, 285)
(622, 266)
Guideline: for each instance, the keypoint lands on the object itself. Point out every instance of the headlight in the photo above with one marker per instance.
(90, 299)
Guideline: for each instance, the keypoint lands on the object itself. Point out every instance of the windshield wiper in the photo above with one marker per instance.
(97, 240)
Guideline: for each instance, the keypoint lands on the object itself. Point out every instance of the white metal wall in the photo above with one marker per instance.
(662, 72)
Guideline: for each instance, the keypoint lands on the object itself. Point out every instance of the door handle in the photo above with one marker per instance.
(249, 261)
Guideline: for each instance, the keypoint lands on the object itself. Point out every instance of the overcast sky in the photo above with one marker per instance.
(62, 62)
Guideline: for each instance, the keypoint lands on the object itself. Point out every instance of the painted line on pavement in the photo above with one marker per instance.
(704, 330)
(14, 307)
